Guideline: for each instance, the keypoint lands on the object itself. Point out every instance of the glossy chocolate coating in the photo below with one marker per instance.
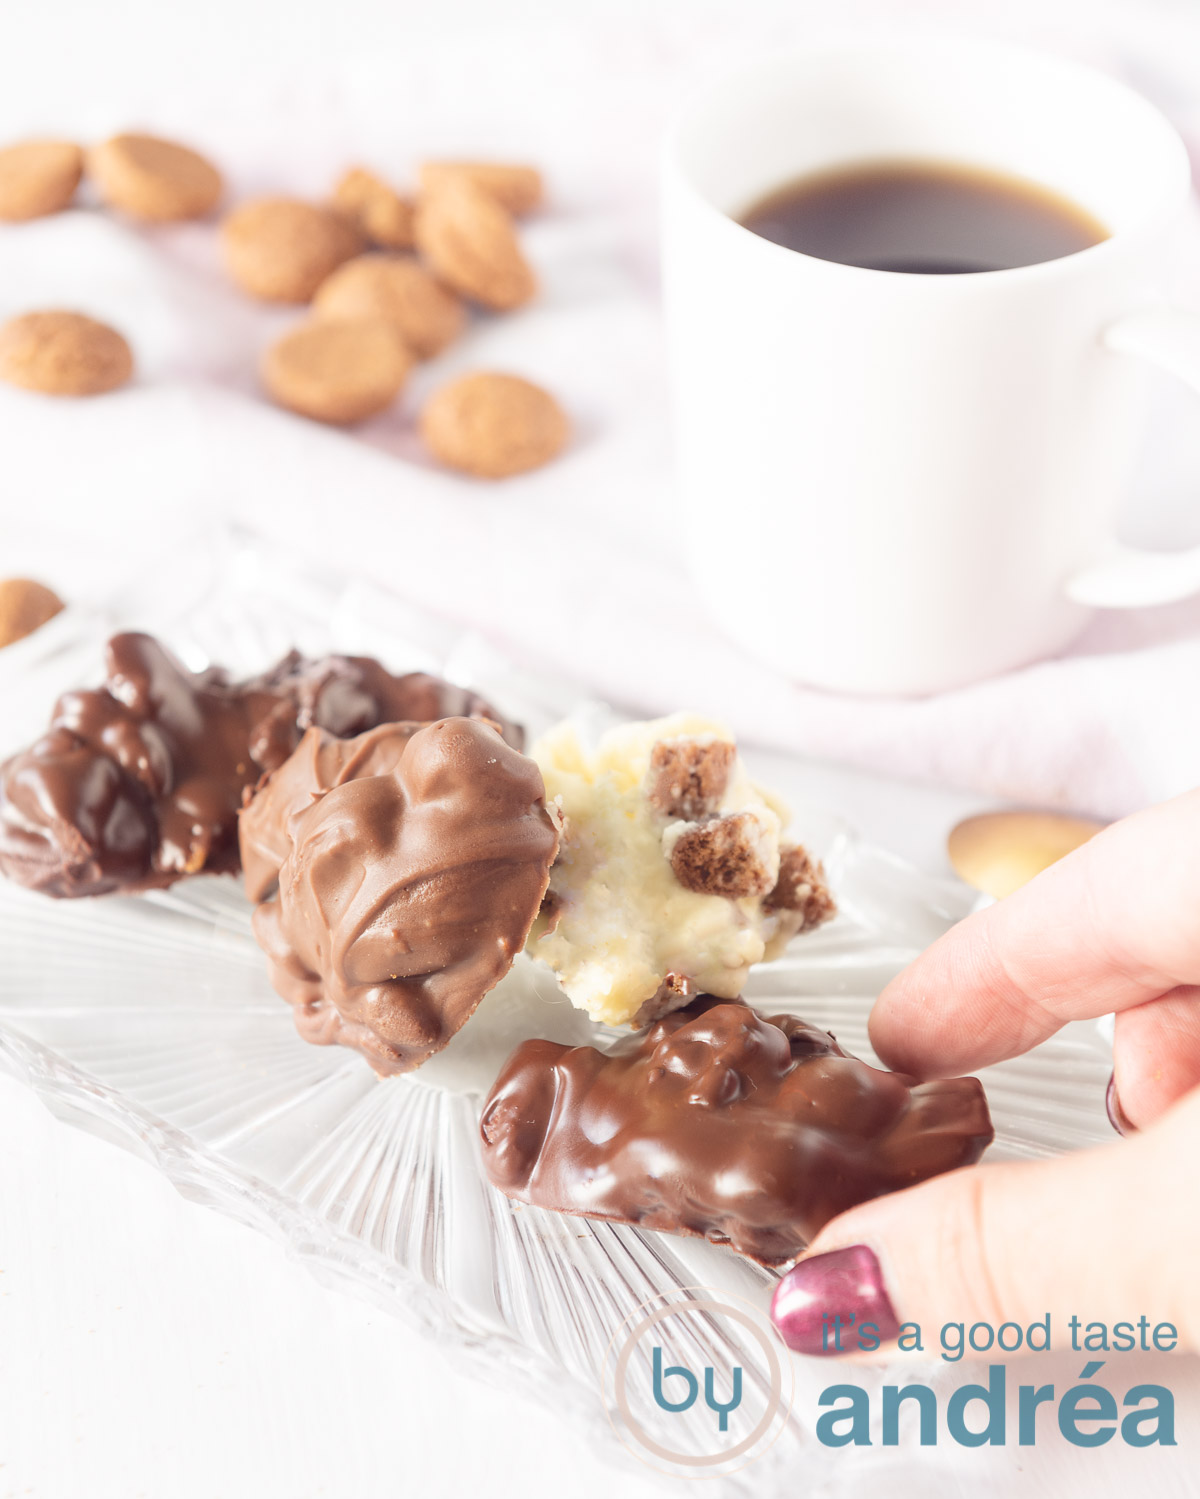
(402, 870)
(320, 762)
(139, 781)
(747, 1130)
(348, 695)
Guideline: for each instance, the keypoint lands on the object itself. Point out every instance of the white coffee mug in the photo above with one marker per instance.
(898, 483)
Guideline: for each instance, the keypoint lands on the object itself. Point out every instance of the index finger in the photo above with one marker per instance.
(1115, 923)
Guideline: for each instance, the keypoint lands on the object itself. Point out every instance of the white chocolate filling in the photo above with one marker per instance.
(621, 921)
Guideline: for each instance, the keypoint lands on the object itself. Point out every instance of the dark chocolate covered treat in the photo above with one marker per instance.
(135, 783)
(139, 781)
(348, 695)
(401, 872)
(744, 1129)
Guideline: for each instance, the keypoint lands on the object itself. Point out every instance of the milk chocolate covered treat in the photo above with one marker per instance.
(675, 875)
(747, 1130)
(320, 761)
(38, 177)
(139, 782)
(402, 871)
(345, 696)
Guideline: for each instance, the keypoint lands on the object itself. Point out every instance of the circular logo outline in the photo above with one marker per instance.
(777, 1403)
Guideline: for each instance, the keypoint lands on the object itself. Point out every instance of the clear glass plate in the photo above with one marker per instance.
(149, 1021)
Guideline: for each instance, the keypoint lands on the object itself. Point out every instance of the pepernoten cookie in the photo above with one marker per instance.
(38, 178)
(63, 354)
(337, 371)
(25, 606)
(516, 188)
(494, 426)
(470, 243)
(398, 291)
(155, 179)
(281, 249)
(377, 211)
(411, 864)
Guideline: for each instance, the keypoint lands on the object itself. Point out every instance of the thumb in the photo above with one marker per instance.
(1110, 1234)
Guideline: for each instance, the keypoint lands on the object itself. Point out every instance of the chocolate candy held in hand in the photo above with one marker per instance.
(139, 781)
(402, 871)
(744, 1129)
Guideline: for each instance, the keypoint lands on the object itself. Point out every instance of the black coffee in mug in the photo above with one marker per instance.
(923, 217)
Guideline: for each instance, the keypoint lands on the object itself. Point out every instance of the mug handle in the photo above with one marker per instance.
(1130, 578)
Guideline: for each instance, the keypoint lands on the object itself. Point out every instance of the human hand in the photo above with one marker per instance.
(1109, 1234)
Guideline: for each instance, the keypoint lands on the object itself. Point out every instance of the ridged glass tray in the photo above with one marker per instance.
(150, 1021)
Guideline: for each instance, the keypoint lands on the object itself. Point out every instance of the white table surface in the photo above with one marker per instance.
(149, 1346)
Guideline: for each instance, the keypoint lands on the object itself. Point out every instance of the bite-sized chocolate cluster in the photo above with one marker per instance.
(346, 695)
(744, 1129)
(138, 782)
(398, 874)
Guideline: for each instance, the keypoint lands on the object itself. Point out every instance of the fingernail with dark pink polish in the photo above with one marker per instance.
(1117, 1116)
(828, 1303)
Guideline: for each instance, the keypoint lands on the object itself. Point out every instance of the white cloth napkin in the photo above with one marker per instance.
(576, 567)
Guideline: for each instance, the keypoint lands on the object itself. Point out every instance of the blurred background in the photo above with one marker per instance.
(164, 1350)
(284, 98)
